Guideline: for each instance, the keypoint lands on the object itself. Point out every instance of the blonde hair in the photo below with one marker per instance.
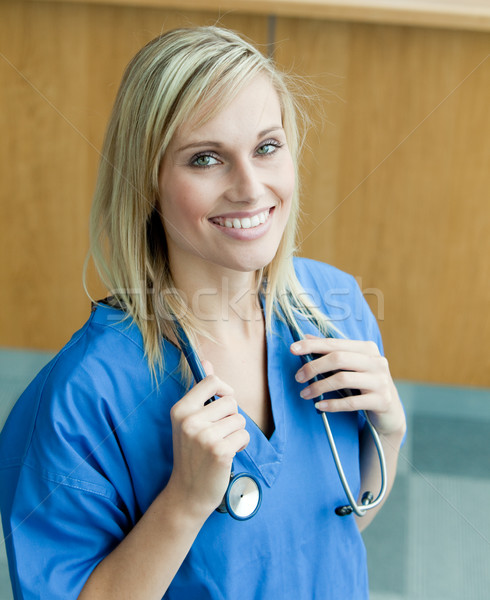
(181, 73)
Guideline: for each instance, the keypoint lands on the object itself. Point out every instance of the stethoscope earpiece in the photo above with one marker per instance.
(343, 511)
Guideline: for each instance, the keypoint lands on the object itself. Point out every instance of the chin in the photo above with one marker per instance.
(253, 264)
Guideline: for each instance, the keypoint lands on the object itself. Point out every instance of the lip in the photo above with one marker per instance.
(249, 234)
(242, 214)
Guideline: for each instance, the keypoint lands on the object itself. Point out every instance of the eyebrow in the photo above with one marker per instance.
(215, 144)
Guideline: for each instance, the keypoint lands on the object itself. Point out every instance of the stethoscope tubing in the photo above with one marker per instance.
(233, 501)
(194, 363)
(360, 511)
(367, 502)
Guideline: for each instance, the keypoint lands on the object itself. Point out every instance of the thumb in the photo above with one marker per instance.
(208, 367)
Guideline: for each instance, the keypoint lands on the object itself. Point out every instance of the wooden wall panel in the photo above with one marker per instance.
(60, 68)
(395, 181)
(396, 184)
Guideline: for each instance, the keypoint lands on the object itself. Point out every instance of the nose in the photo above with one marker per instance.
(244, 183)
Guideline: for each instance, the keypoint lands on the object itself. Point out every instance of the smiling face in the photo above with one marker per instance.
(225, 187)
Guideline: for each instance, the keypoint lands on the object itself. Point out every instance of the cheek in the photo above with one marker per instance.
(287, 181)
(180, 201)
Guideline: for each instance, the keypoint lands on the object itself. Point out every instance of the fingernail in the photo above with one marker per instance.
(300, 376)
(296, 346)
(322, 405)
(306, 393)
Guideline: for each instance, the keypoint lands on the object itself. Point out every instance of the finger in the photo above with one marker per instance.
(317, 345)
(224, 439)
(218, 431)
(200, 424)
(338, 360)
(225, 449)
(349, 404)
(195, 399)
(364, 382)
(210, 386)
(238, 440)
(369, 401)
(219, 409)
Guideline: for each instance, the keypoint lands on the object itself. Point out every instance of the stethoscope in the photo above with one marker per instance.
(243, 495)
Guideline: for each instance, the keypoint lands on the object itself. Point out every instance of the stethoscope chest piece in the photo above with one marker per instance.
(242, 498)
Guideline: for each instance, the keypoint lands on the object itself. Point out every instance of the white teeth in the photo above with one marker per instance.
(245, 223)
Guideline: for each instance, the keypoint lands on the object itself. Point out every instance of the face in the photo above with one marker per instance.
(226, 187)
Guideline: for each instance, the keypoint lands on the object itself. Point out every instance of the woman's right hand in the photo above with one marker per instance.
(205, 440)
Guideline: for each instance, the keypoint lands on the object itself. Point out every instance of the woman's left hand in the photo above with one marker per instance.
(355, 365)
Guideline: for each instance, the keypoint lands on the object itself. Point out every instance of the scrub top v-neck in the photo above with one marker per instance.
(88, 447)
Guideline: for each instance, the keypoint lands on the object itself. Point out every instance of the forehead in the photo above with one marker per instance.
(254, 107)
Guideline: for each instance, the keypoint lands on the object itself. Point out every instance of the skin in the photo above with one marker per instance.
(235, 164)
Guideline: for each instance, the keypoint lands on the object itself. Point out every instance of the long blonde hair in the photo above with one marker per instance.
(165, 85)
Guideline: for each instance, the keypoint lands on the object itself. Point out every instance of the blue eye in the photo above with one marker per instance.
(268, 148)
(204, 160)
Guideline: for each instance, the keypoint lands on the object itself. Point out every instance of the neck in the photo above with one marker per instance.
(226, 302)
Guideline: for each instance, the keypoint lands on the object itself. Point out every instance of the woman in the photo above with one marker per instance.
(113, 463)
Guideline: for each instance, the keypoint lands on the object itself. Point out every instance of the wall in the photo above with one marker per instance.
(395, 174)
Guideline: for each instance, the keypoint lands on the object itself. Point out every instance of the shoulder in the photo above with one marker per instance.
(331, 290)
(90, 385)
(338, 296)
(101, 357)
(318, 275)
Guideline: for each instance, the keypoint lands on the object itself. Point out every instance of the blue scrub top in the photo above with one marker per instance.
(88, 447)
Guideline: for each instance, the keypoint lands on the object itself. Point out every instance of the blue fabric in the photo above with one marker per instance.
(88, 447)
